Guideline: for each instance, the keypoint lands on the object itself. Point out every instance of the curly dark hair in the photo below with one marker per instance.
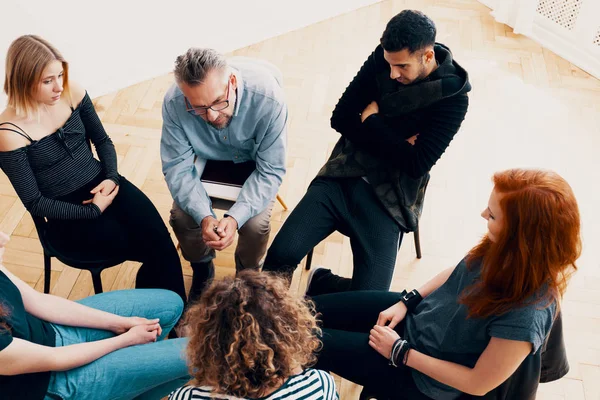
(410, 29)
(3, 314)
(248, 334)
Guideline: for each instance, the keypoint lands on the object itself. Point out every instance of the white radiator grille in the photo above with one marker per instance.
(561, 12)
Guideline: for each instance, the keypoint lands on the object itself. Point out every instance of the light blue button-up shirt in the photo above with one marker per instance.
(257, 132)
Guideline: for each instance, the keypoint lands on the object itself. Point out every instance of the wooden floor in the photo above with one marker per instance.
(529, 108)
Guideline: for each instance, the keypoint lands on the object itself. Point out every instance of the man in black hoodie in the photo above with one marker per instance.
(396, 119)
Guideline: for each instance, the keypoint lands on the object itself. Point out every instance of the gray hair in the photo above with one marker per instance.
(192, 67)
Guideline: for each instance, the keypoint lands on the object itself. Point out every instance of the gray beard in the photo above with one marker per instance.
(220, 128)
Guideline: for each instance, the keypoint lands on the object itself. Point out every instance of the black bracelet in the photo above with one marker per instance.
(403, 354)
(411, 300)
(394, 353)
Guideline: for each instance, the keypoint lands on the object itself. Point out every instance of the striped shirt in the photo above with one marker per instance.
(60, 163)
(311, 384)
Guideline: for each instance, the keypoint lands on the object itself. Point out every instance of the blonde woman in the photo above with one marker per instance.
(45, 135)
(249, 339)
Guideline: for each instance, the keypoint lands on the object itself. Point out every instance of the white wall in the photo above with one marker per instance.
(112, 44)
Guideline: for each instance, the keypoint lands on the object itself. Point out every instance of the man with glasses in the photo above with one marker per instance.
(227, 111)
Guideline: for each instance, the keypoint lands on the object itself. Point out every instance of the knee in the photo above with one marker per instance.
(257, 227)
(180, 221)
(172, 305)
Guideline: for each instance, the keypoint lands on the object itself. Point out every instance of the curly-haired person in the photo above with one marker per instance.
(249, 338)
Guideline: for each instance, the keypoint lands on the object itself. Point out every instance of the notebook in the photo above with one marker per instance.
(224, 179)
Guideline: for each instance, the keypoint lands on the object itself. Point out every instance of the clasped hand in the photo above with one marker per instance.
(104, 194)
(383, 335)
(217, 234)
(139, 330)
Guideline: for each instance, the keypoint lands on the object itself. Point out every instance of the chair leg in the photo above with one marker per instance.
(97, 281)
(417, 243)
(280, 200)
(47, 272)
(309, 257)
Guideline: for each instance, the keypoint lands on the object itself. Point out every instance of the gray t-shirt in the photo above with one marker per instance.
(439, 328)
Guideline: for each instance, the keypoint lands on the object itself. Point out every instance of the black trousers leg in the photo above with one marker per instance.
(347, 319)
(130, 228)
(315, 217)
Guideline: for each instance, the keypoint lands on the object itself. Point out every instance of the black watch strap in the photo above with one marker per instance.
(411, 300)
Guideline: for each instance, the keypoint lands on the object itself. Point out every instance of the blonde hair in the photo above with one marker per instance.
(248, 333)
(27, 58)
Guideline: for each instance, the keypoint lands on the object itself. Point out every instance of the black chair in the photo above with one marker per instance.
(310, 254)
(95, 266)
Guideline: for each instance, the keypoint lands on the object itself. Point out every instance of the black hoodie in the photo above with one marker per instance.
(377, 149)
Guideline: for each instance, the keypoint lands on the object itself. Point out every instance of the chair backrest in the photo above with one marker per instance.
(548, 364)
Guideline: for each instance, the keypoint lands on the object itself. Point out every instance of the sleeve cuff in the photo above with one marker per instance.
(241, 213)
(199, 215)
(95, 210)
(116, 179)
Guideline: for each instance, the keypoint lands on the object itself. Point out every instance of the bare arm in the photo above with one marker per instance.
(23, 357)
(61, 311)
(497, 363)
(435, 282)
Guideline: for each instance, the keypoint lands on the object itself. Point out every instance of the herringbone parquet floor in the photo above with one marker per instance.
(529, 108)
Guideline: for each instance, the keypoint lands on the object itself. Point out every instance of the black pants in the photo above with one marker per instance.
(130, 228)
(351, 207)
(347, 319)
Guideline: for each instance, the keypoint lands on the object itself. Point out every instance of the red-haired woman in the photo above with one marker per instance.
(469, 328)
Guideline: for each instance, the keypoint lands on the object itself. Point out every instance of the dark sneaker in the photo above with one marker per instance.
(316, 278)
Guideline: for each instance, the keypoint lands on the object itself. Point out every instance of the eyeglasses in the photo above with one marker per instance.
(204, 110)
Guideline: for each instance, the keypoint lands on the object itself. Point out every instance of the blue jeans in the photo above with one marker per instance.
(149, 371)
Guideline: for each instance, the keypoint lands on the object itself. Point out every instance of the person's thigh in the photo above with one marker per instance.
(253, 239)
(189, 235)
(375, 238)
(353, 311)
(314, 218)
(125, 373)
(144, 303)
(349, 355)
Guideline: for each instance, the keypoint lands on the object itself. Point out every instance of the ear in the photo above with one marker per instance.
(429, 55)
(233, 80)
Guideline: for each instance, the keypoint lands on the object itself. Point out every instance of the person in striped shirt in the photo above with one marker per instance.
(250, 338)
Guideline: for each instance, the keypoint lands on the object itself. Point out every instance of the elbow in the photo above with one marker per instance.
(478, 387)
(335, 121)
(479, 391)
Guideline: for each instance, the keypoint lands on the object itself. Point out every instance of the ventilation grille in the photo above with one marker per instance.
(561, 12)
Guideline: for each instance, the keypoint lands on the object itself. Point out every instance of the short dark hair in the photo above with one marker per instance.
(410, 29)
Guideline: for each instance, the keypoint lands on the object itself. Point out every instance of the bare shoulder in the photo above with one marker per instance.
(9, 122)
(77, 93)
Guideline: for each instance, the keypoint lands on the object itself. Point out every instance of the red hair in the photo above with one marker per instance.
(536, 251)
